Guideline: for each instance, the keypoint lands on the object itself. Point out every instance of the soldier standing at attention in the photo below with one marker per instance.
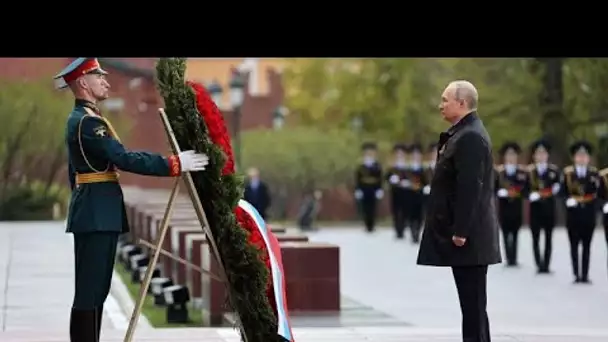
(416, 178)
(603, 194)
(429, 168)
(96, 213)
(511, 187)
(581, 183)
(368, 185)
(396, 176)
(544, 184)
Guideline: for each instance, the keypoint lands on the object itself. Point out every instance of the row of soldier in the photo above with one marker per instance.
(580, 186)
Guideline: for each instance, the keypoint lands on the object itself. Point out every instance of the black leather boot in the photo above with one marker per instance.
(83, 326)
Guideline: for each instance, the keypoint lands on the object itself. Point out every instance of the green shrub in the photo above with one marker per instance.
(32, 201)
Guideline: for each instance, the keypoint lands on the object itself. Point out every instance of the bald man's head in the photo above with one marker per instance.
(458, 99)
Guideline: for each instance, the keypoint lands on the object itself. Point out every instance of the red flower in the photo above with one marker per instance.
(215, 124)
(219, 136)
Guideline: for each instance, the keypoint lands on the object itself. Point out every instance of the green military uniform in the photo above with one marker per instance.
(97, 212)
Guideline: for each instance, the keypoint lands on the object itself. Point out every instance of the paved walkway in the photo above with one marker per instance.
(426, 297)
(36, 268)
(37, 276)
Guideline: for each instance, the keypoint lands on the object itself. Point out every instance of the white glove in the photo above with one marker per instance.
(571, 202)
(426, 190)
(358, 194)
(535, 196)
(394, 179)
(555, 189)
(191, 161)
(605, 208)
(379, 193)
(405, 183)
(502, 193)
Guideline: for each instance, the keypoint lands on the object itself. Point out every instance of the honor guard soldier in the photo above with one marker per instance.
(511, 187)
(603, 194)
(396, 176)
(544, 184)
(431, 159)
(429, 171)
(581, 183)
(368, 185)
(416, 181)
(96, 212)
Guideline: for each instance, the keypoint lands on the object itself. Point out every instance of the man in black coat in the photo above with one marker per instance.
(257, 193)
(461, 227)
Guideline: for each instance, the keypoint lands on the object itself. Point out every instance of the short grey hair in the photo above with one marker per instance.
(465, 90)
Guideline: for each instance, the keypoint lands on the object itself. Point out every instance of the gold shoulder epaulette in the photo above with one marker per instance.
(569, 169)
(603, 172)
(530, 167)
(499, 168)
(553, 166)
(592, 168)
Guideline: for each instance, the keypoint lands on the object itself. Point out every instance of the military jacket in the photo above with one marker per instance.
(396, 177)
(546, 183)
(92, 148)
(583, 189)
(516, 184)
(368, 178)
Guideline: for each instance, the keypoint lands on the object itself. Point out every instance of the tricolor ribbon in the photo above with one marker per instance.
(276, 270)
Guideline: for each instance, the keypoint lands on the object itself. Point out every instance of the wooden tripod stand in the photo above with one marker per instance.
(200, 213)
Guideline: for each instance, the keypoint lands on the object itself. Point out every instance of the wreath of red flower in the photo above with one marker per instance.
(219, 135)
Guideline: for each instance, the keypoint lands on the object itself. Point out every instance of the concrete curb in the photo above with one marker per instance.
(120, 293)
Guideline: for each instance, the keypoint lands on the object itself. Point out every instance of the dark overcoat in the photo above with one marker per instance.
(462, 202)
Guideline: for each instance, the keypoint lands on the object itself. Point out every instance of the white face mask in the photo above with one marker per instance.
(415, 165)
(368, 161)
(510, 168)
(400, 162)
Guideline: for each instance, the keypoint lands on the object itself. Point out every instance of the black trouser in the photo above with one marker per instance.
(510, 229)
(581, 224)
(368, 209)
(471, 286)
(94, 255)
(398, 211)
(413, 216)
(606, 228)
(542, 219)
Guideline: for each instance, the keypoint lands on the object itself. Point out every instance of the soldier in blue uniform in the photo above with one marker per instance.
(97, 214)
(416, 182)
(580, 186)
(544, 184)
(511, 188)
(603, 194)
(368, 185)
(396, 176)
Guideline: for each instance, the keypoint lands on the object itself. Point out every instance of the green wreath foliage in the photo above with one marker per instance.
(219, 195)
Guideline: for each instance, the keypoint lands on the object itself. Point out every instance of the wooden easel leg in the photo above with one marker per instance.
(152, 264)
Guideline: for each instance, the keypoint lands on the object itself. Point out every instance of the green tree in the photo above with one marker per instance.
(298, 160)
(32, 148)
(32, 131)
(392, 97)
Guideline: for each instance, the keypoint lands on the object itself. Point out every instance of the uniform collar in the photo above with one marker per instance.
(88, 104)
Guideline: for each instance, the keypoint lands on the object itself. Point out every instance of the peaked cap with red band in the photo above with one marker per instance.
(80, 66)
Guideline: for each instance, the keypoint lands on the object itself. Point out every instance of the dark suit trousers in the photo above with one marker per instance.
(471, 286)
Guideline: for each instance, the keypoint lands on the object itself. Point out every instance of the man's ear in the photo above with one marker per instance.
(82, 82)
